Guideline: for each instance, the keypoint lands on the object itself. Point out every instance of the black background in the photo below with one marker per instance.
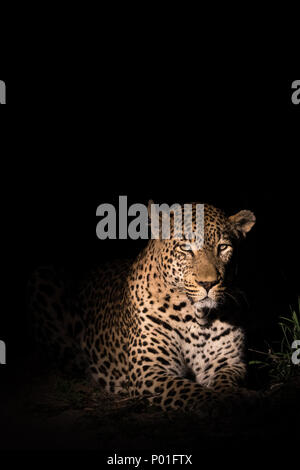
(232, 142)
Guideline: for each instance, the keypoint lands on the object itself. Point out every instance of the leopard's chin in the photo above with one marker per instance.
(207, 302)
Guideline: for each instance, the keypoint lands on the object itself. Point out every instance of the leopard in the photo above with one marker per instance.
(165, 327)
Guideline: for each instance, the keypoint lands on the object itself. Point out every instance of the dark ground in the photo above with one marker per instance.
(42, 409)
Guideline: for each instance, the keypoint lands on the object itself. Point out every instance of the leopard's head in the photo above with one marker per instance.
(202, 267)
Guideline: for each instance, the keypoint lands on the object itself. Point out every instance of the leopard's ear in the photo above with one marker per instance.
(243, 221)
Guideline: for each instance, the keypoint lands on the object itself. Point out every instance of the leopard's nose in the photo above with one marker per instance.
(207, 285)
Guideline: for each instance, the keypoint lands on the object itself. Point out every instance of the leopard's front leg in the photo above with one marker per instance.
(221, 364)
(171, 392)
(229, 377)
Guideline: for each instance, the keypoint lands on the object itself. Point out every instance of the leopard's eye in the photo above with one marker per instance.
(186, 248)
(223, 247)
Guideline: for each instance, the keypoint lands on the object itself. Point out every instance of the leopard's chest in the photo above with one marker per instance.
(204, 345)
(197, 342)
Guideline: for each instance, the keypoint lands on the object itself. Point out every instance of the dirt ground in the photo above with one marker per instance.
(45, 410)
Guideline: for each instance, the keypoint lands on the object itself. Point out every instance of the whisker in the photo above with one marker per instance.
(242, 293)
(232, 297)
